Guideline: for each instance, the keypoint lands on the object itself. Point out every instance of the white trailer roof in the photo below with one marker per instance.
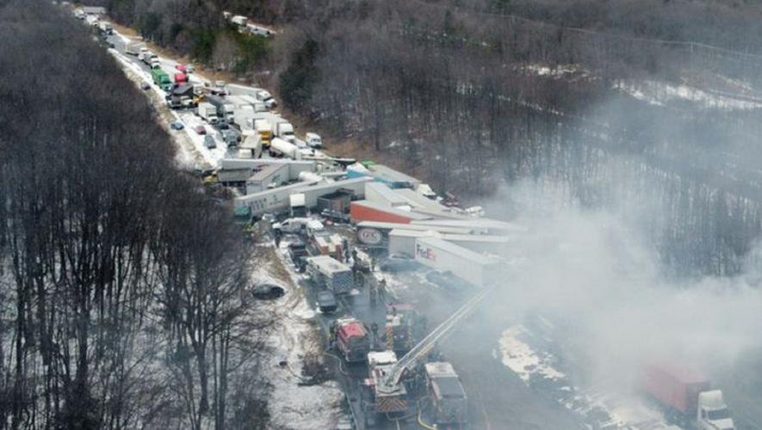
(408, 227)
(417, 200)
(380, 193)
(413, 233)
(392, 210)
(328, 264)
(483, 238)
(338, 184)
(467, 255)
(477, 223)
(238, 163)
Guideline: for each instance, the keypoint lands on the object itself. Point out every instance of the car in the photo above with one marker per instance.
(268, 292)
(209, 142)
(181, 68)
(327, 302)
(398, 263)
(146, 87)
(446, 280)
(200, 129)
(189, 68)
(177, 125)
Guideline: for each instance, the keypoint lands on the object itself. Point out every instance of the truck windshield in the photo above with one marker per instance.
(718, 414)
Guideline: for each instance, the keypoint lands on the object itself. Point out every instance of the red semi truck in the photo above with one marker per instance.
(687, 397)
(180, 79)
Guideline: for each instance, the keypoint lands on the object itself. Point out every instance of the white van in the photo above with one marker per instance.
(297, 225)
(313, 140)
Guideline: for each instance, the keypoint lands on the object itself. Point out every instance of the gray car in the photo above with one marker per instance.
(209, 142)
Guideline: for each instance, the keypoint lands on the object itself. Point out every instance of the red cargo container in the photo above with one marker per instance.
(676, 388)
(369, 211)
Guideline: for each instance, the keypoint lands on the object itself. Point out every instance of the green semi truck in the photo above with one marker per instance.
(161, 78)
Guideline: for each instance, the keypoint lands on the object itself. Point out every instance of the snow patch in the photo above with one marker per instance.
(518, 356)
(660, 93)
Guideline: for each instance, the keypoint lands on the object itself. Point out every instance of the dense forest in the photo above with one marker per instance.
(471, 94)
(121, 278)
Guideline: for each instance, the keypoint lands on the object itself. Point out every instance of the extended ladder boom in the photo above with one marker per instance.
(424, 346)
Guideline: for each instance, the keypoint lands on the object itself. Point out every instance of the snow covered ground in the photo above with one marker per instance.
(662, 93)
(597, 407)
(291, 405)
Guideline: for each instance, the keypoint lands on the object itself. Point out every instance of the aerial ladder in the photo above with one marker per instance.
(386, 371)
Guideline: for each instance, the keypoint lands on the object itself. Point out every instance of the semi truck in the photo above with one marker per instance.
(686, 397)
(266, 98)
(330, 274)
(180, 79)
(161, 79)
(239, 20)
(447, 396)
(265, 131)
(281, 148)
(256, 104)
(225, 109)
(208, 112)
(105, 28)
(133, 48)
(243, 117)
(351, 339)
(284, 130)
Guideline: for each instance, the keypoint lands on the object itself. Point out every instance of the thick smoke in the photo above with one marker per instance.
(593, 273)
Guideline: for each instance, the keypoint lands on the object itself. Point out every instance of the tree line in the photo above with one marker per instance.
(122, 280)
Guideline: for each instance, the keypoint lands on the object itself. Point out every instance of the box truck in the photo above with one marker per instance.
(330, 273)
(225, 109)
(161, 79)
(208, 112)
(265, 130)
(284, 130)
(133, 48)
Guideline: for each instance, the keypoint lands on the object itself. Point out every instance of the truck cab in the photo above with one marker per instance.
(266, 98)
(713, 413)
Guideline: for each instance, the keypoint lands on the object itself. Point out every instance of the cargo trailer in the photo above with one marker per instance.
(477, 269)
(686, 397)
(364, 210)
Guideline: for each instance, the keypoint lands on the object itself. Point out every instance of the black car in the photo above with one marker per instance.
(268, 292)
(296, 250)
(398, 263)
(209, 142)
(327, 302)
